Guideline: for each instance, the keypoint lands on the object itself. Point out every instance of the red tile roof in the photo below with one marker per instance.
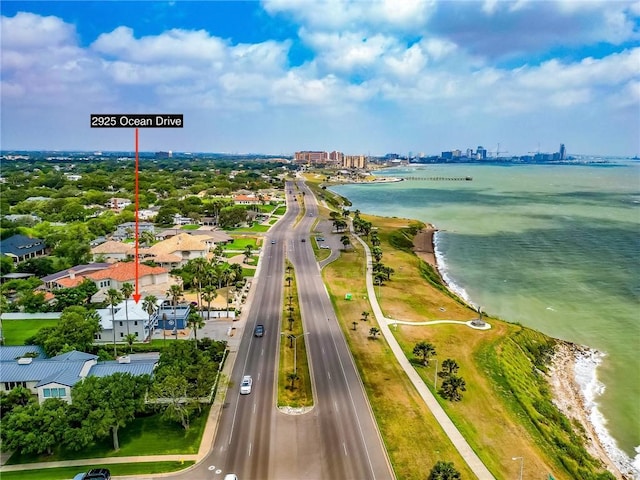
(125, 271)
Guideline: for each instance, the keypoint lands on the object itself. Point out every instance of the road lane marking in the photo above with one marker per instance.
(249, 449)
(345, 449)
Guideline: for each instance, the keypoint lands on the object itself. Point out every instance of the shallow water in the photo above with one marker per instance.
(552, 247)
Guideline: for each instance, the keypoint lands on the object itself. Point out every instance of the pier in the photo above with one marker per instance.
(441, 179)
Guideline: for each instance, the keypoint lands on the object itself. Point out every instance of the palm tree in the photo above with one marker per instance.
(425, 350)
(449, 367)
(113, 298)
(289, 279)
(444, 471)
(247, 253)
(149, 305)
(175, 294)
(292, 377)
(365, 316)
(130, 338)
(209, 295)
(200, 267)
(127, 290)
(373, 331)
(195, 321)
(355, 325)
(452, 387)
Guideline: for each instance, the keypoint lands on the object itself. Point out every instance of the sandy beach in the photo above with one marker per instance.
(562, 379)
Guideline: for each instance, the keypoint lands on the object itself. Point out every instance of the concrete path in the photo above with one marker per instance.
(465, 450)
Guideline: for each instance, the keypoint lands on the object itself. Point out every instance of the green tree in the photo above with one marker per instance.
(247, 253)
(209, 295)
(31, 302)
(449, 367)
(373, 331)
(345, 241)
(365, 316)
(172, 391)
(424, 350)
(175, 294)
(195, 321)
(130, 338)
(109, 403)
(452, 387)
(6, 265)
(17, 397)
(75, 296)
(444, 471)
(150, 305)
(76, 330)
(292, 377)
(35, 428)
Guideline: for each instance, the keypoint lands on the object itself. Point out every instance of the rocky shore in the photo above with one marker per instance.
(566, 390)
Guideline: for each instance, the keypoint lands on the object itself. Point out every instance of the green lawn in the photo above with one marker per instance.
(150, 435)
(118, 469)
(280, 210)
(256, 227)
(190, 227)
(17, 331)
(240, 243)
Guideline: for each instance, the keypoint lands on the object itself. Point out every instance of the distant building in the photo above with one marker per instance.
(311, 157)
(481, 153)
(562, 152)
(118, 203)
(354, 161)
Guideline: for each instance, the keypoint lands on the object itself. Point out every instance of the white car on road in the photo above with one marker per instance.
(245, 386)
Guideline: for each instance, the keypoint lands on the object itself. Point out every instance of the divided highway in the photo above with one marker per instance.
(336, 439)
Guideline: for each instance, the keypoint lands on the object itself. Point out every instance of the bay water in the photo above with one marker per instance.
(553, 247)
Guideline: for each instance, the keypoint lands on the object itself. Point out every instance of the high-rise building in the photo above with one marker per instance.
(481, 152)
(563, 152)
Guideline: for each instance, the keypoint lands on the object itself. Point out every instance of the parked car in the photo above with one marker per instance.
(94, 474)
(303, 239)
(259, 330)
(245, 386)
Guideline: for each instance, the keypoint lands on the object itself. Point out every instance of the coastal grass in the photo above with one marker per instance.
(301, 395)
(413, 438)
(149, 435)
(117, 469)
(15, 332)
(506, 410)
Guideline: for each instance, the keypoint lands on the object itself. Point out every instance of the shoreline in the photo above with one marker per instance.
(568, 392)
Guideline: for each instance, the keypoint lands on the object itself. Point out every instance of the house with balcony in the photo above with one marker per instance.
(71, 277)
(28, 366)
(128, 317)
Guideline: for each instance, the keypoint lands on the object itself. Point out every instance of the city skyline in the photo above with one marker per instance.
(363, 77)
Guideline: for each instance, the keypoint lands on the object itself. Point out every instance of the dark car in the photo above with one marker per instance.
(94, 474)
(303, 239)
(259, 330)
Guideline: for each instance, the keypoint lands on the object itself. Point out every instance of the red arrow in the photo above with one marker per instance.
(136, 296)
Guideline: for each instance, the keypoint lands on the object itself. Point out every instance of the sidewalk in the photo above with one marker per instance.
(465, 450)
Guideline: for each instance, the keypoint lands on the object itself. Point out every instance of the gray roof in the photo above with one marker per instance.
(21, 245)
(134, 368)
(78, 270)
(11, 353)
(63, 369)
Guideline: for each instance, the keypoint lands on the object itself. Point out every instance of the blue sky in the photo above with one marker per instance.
(362, 77)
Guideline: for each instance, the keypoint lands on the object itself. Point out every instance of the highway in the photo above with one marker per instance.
(337, 438)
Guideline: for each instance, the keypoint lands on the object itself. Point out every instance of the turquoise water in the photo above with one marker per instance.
(553, 247)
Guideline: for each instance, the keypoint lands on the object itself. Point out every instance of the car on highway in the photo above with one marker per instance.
(273, 242)
(245, 385)
(320, 239)
(258, 331)
(230, 476)
(303, 239)
(327, 247)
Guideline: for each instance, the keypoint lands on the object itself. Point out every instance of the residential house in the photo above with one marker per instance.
(125, 272)
(176, 251)
(178, 219)
(117, 204)
(27, 366)
(127, 230)
(251, 199)
(125, 320)
(114, 251)
(20, 248)
(71, 277)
